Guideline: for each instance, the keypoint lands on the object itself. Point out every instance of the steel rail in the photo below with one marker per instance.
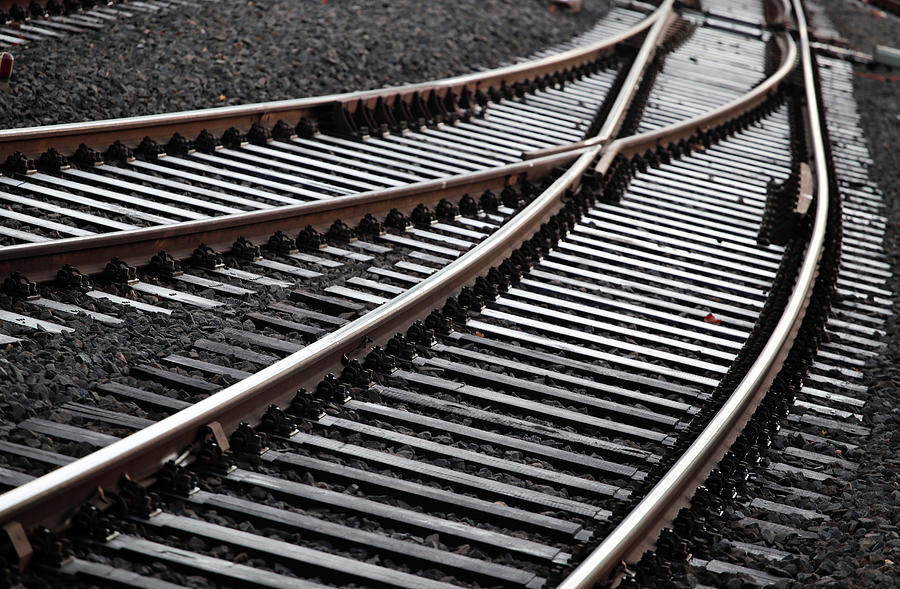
(640, 143)
(44, 500)
(637, 532)
(90, 254)
(41, 261)
(683, 129)
(32, 141)
(142, 453)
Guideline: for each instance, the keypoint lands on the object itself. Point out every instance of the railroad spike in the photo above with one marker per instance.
(468, 206)
(306, 404)
(400, 347)
(178, 480)
(281, 132)
(247, 442)
(275, 421)
(206, 257)
(213, 459)
(260, 135)
(244, 249)
(49, 549)
(18, 286)
(206, 142)
(418, 334)
(341, 232)
(369, 225)
(163, 265)
(232, 138)
(18, 164)
(132, 499)
(150, 150)
(379, 361)
(71, 277)
(118, 271)
(118, 153)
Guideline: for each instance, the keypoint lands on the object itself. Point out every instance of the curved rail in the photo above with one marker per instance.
(638, 530)
(32, 141)
(142, 454)
(638, 143)
(90, 254)
(628, 146)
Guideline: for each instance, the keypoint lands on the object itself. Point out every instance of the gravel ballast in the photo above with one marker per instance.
(862, 547)
(237, 52)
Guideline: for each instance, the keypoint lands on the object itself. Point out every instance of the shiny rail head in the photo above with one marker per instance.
(638, 531)
(46, 500)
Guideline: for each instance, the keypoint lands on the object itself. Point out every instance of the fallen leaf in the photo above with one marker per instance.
(710, 318)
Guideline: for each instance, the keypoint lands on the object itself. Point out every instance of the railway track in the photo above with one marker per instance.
(547, 330)
(22, 23)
